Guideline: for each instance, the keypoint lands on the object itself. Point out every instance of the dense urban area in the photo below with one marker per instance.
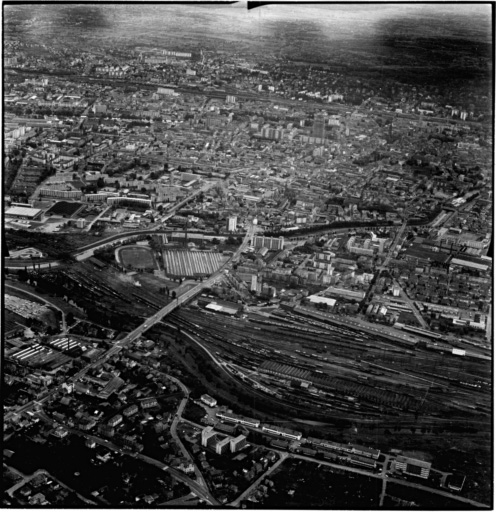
(245, 279)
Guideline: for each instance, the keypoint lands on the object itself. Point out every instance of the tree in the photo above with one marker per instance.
(22, 275)
(69, 318)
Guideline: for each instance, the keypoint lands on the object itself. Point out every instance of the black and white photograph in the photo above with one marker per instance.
(247, 255)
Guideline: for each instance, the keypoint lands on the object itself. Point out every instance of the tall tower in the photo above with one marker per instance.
(319, 126)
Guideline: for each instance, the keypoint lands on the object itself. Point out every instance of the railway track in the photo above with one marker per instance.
(248, 347)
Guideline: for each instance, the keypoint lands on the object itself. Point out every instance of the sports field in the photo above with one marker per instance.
(192, 264)
(137, 257)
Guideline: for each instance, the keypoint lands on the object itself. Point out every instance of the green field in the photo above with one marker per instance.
(136, 256)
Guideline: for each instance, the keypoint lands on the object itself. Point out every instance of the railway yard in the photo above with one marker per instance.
(324, 372)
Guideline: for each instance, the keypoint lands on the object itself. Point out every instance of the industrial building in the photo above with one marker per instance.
(20, 212)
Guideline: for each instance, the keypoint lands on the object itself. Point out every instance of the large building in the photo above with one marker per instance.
(130, 201)
(213, 121)
(238, 443)
(223, 446)
(232, 223)
(272, 243)
(414, 467)
(318, 130)
(207, 399)
(242, 420)
(207, 433)
(21, 212)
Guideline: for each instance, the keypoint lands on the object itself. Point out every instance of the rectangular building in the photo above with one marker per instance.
(19, 212)
(223, 446)
(414, 467)
(115, 420)
(238, 443)
(207, 433)
(232, 223)
(207, 399)
(272, 243)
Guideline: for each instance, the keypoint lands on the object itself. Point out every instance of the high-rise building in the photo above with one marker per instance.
(319, 127)
(254, 283)
(207, 433)
(238, 443)
(223, 446)
(272, 243)
(232, 223)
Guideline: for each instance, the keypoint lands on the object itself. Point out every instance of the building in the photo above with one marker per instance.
(254, 283)
(207, 433)
(165, 90)
(272, 133)
(115, 420)
(61, 194)
(365, 451)
(147, 403)
(99, 108)
(238, 443)
(100, 197)
(129, 411)
(20, 212)
(228, 430)
(455, 482)
(318, 130)
(130, 201)
(230, 99)
(272, 243)
(213, 121)
(414, 467)
(242, 420)
(207, 399)
(223, 446)
(358, 460)
(284, 432)
(232, 223)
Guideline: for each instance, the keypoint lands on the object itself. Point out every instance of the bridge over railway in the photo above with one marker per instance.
(150, 322)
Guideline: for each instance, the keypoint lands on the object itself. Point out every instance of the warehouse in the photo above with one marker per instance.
(21, 212)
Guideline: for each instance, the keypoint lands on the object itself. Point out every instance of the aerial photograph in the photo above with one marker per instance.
(247, 255)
